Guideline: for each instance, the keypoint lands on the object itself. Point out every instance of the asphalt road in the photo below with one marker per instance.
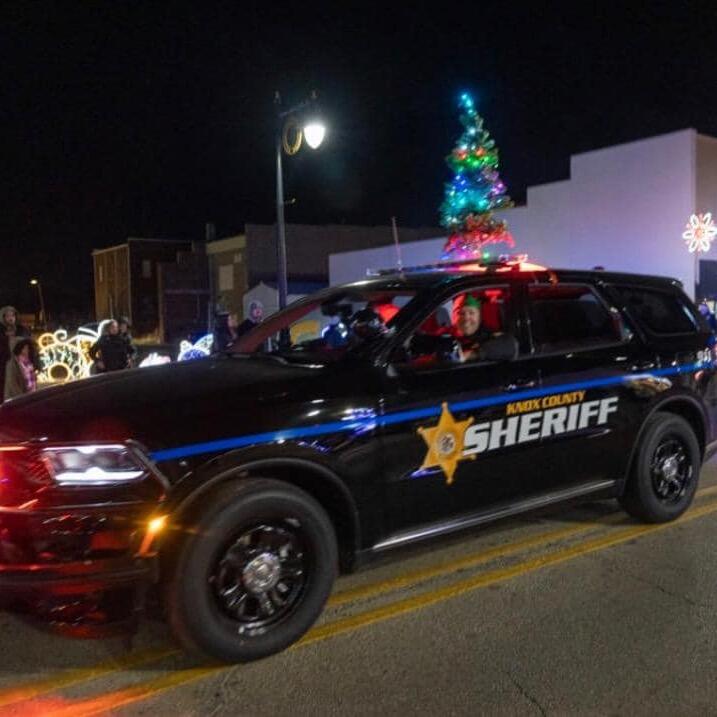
(569, 611)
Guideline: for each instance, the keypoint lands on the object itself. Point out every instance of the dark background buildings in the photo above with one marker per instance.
(150, 119)
(163, 286)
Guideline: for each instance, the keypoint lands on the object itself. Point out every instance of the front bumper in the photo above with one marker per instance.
(78, 559)
(76, 578)
(83, 572)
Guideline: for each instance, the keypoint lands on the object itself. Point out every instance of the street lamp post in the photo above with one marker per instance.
(314, 131)
(36, 282)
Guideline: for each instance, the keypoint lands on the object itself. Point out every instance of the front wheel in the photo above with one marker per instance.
(663, 479)
(255, 573)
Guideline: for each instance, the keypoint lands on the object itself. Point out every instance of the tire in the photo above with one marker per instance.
(256, 540)
(653, 494)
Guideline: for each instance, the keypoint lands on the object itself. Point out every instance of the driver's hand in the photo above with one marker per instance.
(470, 354)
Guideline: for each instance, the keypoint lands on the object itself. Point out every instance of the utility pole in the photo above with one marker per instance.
(210, 234)
(394, 228)
(43, 315)
(280, 223)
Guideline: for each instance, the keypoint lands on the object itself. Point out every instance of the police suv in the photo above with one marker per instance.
(363, 418)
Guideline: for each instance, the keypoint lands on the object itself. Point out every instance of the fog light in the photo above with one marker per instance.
(154, 527)
(157, 524)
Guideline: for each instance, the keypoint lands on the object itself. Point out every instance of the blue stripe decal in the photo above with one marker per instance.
(391, 419)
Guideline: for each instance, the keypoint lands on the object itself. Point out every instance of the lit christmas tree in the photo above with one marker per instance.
(476, 190)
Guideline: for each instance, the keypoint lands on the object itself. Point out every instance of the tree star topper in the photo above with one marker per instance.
(445, 443)
(700, 232)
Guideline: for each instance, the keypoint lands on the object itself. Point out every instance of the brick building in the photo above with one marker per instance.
(127, 280)
(183, 292)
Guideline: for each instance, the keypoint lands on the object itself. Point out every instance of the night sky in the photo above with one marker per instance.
(149, 119)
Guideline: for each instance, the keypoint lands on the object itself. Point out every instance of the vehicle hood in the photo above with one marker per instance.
(163, 406)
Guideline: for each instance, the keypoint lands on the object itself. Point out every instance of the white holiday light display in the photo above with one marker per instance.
(62, 359)
(65, 359)
(155, 359)
(700, 232)
(200, 349)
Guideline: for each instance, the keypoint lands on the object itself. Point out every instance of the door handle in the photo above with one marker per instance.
(642, 366)
(520, 383)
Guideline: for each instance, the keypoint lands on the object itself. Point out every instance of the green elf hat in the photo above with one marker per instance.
(471, 300)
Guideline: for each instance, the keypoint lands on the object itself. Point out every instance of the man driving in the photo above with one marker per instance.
(469, 330)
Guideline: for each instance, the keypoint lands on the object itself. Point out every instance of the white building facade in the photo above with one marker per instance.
(623, 208)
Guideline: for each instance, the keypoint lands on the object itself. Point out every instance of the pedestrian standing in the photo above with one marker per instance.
(225, 331)
(124, 332)
(10, 332)
(110, 352)
(256, 316)
(20, 373)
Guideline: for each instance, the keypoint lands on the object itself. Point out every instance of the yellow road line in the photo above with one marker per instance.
(706, 491)
(152, 688)
(31, 689)
(128, 695)
(421, 575)
(76, 676)
(494, 576)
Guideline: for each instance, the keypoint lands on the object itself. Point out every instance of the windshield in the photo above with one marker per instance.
(329, 326)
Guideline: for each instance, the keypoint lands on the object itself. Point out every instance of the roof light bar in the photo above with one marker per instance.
(504, 262)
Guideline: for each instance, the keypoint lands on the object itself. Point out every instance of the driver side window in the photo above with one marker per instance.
(474, 325)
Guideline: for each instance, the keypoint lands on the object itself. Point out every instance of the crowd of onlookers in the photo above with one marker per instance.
(19, 360)
(114, 349)
(18, 356)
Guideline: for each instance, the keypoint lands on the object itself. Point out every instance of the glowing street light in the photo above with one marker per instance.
(314, 133)
(36, 282)
(289, 135)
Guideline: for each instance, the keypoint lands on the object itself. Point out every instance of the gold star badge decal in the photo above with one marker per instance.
(445, 443)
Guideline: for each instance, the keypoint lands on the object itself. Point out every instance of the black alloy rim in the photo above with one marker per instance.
(671, 470)
(260, 576)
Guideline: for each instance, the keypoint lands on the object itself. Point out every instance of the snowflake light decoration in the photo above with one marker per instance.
(700, 232)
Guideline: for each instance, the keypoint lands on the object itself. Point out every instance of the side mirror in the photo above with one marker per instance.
(499, 348)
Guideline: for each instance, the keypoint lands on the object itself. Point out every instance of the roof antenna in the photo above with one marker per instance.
(399, 263)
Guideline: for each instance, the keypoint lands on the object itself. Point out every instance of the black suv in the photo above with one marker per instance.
(360, 419)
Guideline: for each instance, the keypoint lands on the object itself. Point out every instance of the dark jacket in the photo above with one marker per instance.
(131, 348)
(246, 326)
(112, 351)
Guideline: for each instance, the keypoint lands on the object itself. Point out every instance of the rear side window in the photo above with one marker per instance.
(661, 312)
(570, 317)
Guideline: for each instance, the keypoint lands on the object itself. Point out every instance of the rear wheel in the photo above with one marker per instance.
(255, 574)
(664, 476)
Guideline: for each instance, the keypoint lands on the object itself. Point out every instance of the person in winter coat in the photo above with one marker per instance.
(10, 333)
(110, 352)
(124, 332)
(20, 374)
(256, 316)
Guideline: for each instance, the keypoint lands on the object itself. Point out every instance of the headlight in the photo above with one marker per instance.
(92, 465)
